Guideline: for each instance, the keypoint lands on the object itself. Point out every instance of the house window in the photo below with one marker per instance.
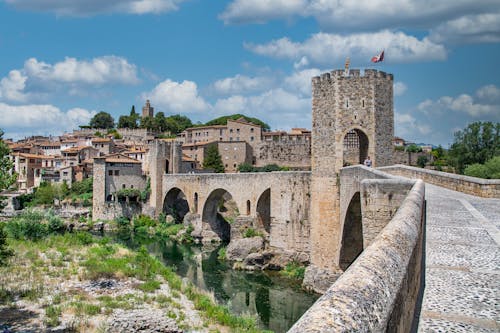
(117, 172)
(231, 130)
(237, 130)
(251, 138)
(110, 172)
(251, 130)
(231, 139)
(123, 186)
(131, 186)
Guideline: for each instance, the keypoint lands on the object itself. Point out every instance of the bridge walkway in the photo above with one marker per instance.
(462, 276)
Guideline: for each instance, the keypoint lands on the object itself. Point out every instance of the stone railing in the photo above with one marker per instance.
(488, 188)
(379, 292)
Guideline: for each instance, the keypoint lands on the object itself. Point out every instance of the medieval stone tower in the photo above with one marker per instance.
(352, 118)
(147, 110)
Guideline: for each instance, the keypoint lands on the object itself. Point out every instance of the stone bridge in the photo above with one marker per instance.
(276, 203)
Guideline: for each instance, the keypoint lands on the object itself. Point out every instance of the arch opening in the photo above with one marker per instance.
(352, 236)
(218, 212)
(196, 202)
(264, 210)
(167, 165)
(355, 147)
(176, 204)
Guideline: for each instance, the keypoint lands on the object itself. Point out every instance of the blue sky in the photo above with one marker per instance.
(63, 61)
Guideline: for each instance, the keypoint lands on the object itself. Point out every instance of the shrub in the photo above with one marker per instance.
(55, 224)
(477, 170)
(422, 161)
(493, 166)
(5, 252)
(251, 232)
(294, 270)
(149, 286)
(29, 225)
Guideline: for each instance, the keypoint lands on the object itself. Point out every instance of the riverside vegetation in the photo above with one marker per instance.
(80, 282)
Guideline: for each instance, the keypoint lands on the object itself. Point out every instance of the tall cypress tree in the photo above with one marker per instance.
(213, 160)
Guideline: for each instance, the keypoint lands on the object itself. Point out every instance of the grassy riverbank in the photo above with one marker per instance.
(79, 282)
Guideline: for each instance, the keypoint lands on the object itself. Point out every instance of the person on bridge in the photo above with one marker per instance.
(368, 162)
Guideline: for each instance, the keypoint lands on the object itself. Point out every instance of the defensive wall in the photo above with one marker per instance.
(488, 188)
(379, 292)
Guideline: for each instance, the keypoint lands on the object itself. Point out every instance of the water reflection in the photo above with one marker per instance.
(277, 301)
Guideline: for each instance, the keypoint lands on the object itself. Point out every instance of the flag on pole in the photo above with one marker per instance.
(346, 71)
(378, 58)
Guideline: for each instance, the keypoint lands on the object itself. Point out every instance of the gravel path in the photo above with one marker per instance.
(462, 277)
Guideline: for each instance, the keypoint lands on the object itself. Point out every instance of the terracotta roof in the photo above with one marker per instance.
(120, 158)
(101, 140)
(186, 158)
(204, 143)
(31, 155)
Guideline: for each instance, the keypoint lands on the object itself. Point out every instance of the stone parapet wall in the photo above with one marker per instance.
(488, 188)
(379, 291)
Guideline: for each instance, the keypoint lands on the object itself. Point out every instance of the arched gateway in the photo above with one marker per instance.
(352, 118)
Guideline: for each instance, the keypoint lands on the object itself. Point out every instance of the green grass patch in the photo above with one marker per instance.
(150, 286)
(294, 270)
(52, 314)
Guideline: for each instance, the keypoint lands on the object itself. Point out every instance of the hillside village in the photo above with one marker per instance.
(70, 157)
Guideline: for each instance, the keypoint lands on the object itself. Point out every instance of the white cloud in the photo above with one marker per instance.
(489, 93)
(71, 76)
(483, 28)
(276, 106)
(25, 120)
(300, 82)
(242, 84)
(406, 124)
(399, 88)
(106, 69)
(260, 11)
(93, 7)
(348, 15)
(177, 97)
(324, 48)
(465, 104)
(12, 87)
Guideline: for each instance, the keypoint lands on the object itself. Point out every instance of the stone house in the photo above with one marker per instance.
(27, 166)
(103, 145)
(234, 153)
(119, 172)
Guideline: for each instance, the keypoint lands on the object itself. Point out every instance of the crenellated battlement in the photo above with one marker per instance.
(353, 73)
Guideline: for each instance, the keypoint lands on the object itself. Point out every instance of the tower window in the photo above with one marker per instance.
(347, 103)
(363, 102)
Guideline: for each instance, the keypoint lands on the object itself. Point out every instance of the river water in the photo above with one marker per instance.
(277, 301)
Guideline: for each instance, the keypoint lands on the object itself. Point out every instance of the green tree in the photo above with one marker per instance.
(7, 178)
(422, 161)
(102, 120)
(477, 143)
(413, 148)
(213, 160)
(223, 120)
(130, 121)
(177, 123)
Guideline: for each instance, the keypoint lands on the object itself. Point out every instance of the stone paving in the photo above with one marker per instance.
(462, 277)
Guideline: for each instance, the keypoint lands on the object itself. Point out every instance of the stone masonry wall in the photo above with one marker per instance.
(296, 155)
(379, 291)
(380, 200)
(488, 188)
